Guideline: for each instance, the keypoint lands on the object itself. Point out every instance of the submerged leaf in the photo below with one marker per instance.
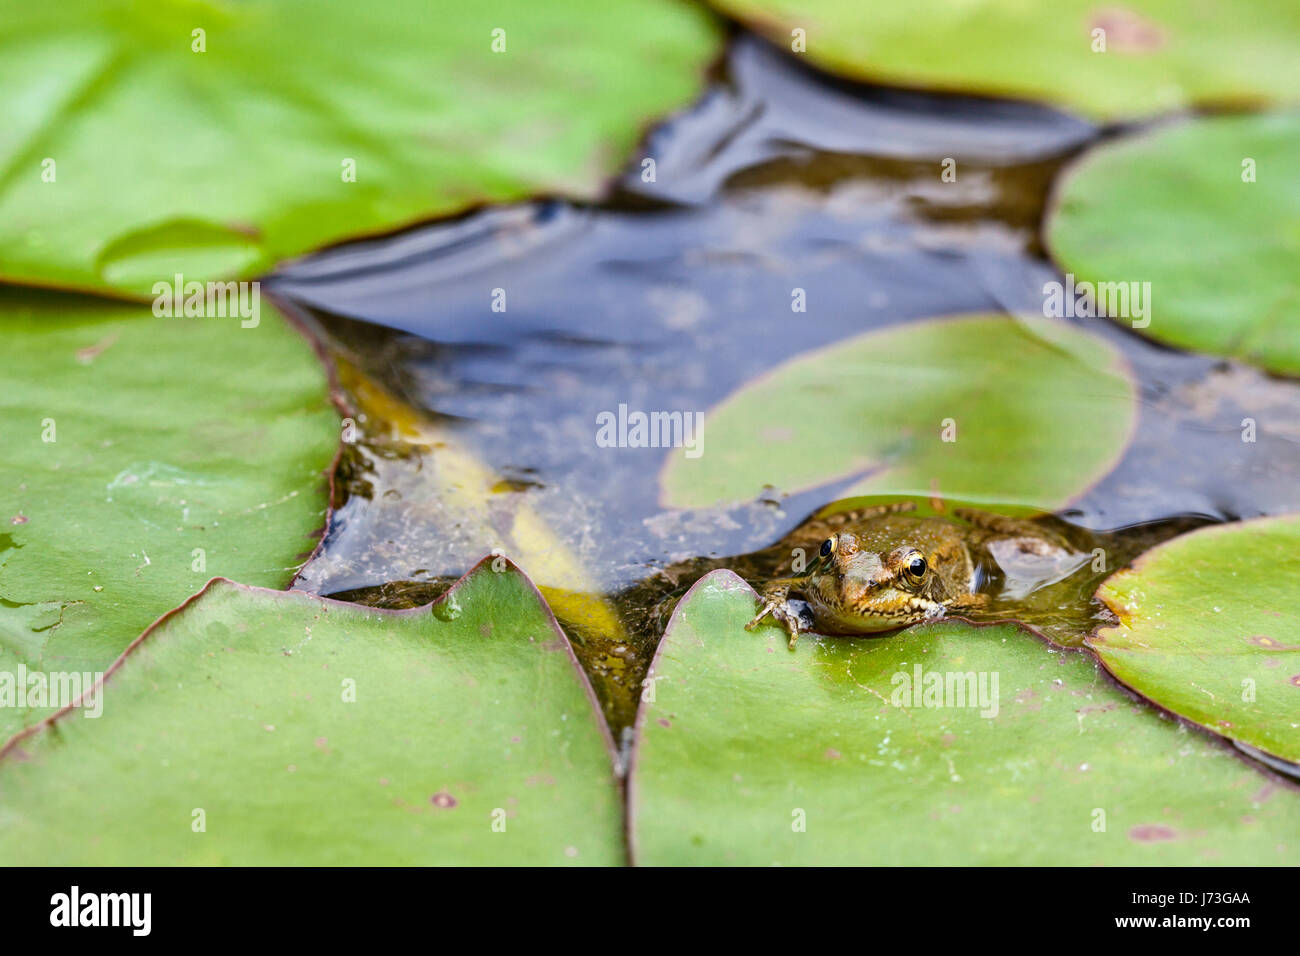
(442, 481)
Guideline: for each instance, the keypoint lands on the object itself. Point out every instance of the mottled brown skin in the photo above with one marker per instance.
(880, 569)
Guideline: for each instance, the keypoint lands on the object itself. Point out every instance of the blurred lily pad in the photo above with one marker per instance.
(843, 752)
(981, 409)
(287, 124)
(142, 457)
(262, 727)
(1208, 213)
(1151, 56)
(1209, 629)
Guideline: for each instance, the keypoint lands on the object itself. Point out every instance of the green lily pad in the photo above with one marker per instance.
(749, 754)
(142, 457)
(1036, 411)
(1172, 208)
(309, 731)
(1209, 629)
(1159, 55)
(223, 162)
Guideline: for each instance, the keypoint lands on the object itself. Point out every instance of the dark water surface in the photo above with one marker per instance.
(673, 293)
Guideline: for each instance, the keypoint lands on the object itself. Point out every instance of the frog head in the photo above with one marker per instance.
(864, 590)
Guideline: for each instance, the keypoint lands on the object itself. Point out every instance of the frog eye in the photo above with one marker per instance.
(917, 566)
(828, 546)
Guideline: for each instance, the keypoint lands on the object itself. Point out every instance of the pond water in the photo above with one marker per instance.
(677, 291)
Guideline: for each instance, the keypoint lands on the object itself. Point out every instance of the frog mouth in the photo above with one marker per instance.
(877, 612)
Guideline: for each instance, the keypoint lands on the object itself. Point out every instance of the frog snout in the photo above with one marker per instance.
(856, 587)
(865, 571)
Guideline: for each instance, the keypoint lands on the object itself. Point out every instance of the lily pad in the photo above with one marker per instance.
(1207, 212)
(1158, 55)
(749, 754)
(143, 456)
(286, 124)
(1209, 629)
(981, 409)
(262, 727)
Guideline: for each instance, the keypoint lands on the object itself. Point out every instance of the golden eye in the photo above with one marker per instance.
(917, 566)
(828, 546)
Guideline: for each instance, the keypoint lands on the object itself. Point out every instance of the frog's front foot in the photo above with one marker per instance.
(782, 615)
(935, 612)
(775, 606)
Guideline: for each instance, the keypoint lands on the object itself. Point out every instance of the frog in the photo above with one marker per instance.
(881, 568)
